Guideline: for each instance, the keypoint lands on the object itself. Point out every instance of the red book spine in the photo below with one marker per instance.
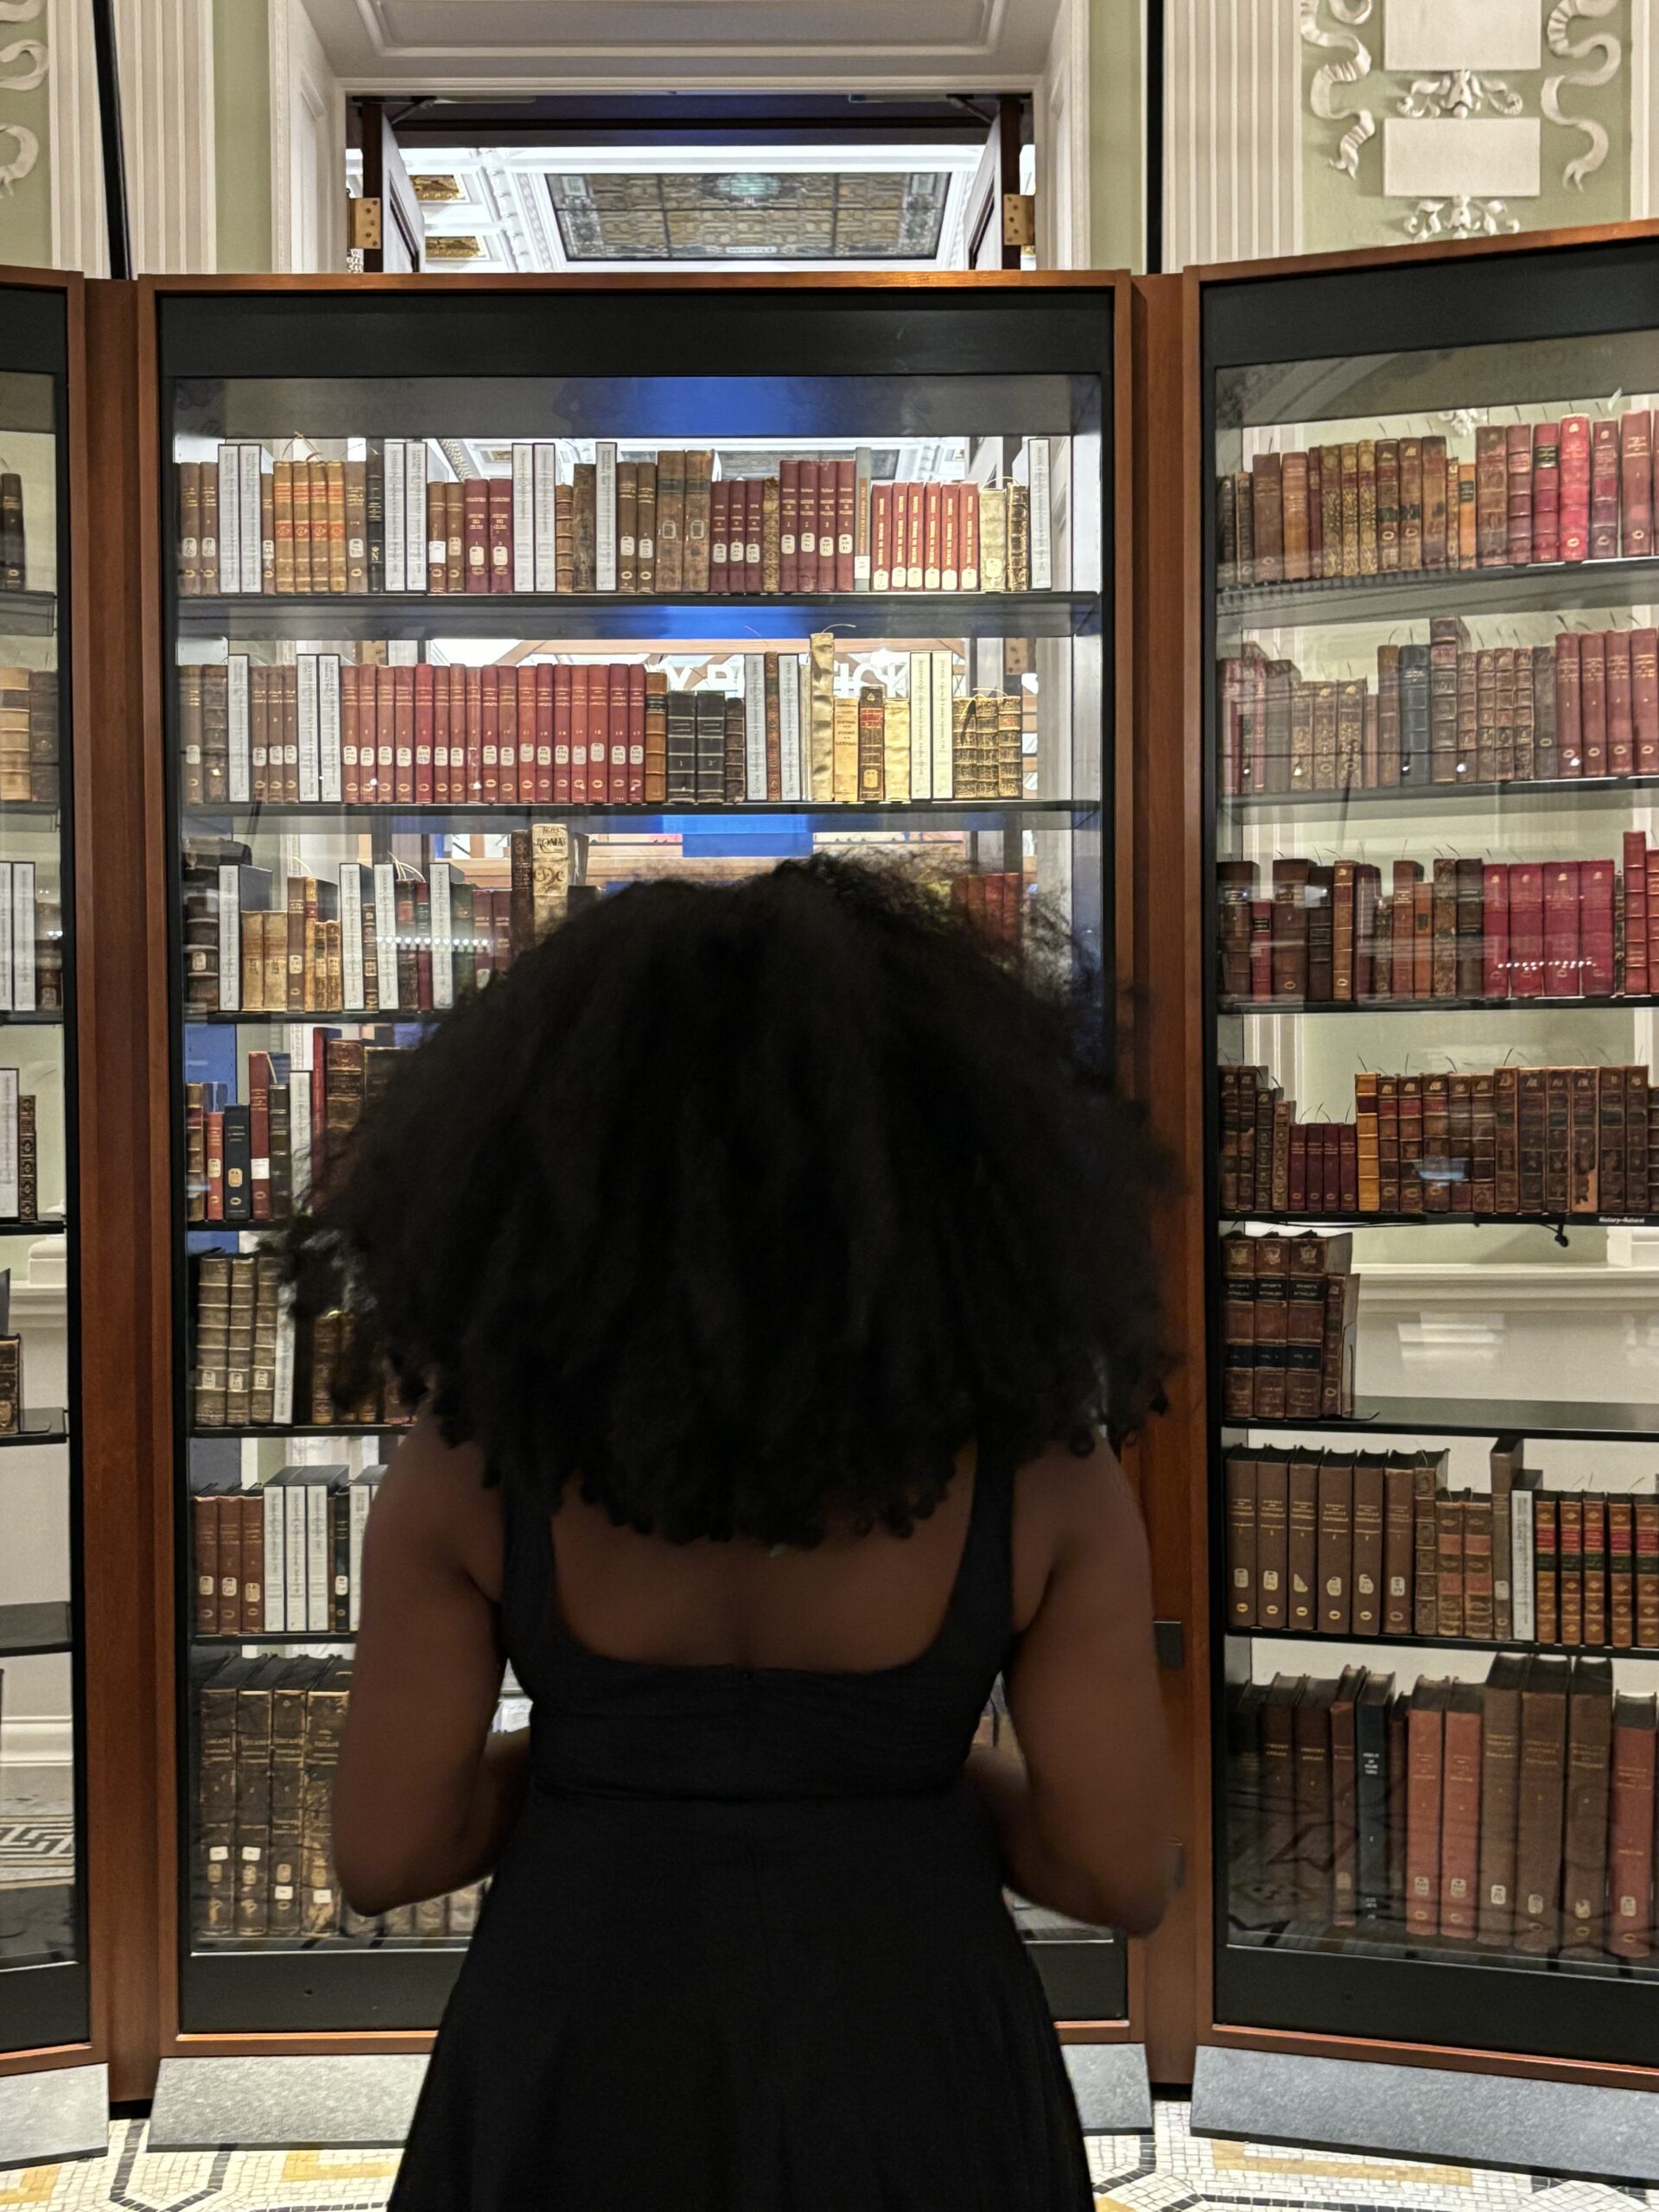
(425, 721)
(636, 787)
(788, 525)
(1635, 482)
(951, 537)
(403, 710)
(1629, 1841)
(562, 755)
(350, 734)
(1596, 928)
(1604, 489)
(1645, 699)
(1518, 458)
(506, 734)
(1621, 726)
(901, 537)
(545, 790)
(616, 728)
(439, 737)
(213, 1143)
(1592, 701)
(969, 537)
(578, 736)
(754, 497)
(1547, 492)
(490, 735)
(846, 520)
(473, 757)
(881, 538)
(829, 502)
(475, 529)
(1569, 705)
(527, 733)
(597, 681)
(500, 525)
(933, 529)
(808, 502)
(1495, 943)
(1635, 918)
(457, 791)
(1575, 488)
(1561, 941)
(720, 499)
(1527, 930)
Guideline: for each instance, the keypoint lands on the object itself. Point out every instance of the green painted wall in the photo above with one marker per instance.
(242, 134)
(1116, 134)
(1338, 213)
(26, 207)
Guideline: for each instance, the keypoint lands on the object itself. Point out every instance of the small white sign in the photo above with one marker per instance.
(1467, 34)
(1436, 157)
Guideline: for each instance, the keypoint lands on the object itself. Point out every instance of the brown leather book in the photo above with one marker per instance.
(627, 525)
(1595, 1569)
(671, 521)
(1411, 503)
(584, 526)
(1302, 1490)
(872, 747)
(1368, 1579)
(1272, 1540)
(1460, 1816)
(205, 1516)
(644, 553)
(1344, 1801)
(1507, 1459)
(1448, 1526)
(1500, 1772)
(699, 471)
(1569, 1521)
(1546, 1553)
(1279, 1838)
(1349, 463)
(1478, 1567)
(1426, 1563)
(1631, 1827)
(1621, 1573)
(1365, 476)
(1436, 503)
(1336, 1546)
(1425, 1750)
(1240, 1483)
(1295, 499)
(1541, 1804)
(1399, 1715)
(1398, 1541)
(1589, 1755)
(1492, 495)
(1311, 1730)
(1267, 506)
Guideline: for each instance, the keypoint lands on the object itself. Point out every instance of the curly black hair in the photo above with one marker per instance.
(748, 1206)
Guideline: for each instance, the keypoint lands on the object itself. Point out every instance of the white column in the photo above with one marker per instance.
(1232, 131)
(78, 239)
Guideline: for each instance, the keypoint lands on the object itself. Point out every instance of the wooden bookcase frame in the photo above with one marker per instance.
(153, 2027)
(1173, 483)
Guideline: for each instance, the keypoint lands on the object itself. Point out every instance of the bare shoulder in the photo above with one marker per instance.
(436, 1504)
(1069, 1507)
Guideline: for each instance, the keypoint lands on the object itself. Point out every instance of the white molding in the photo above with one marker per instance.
(37, 1739)
(1065, 182)
(559, 54)
(1571, 1287)
(75, 154)
(307, 145)
(1232, 132)
(167, 129)
(280, 65)
(1644, 127)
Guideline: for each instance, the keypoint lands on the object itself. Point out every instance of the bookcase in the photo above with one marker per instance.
(476, 603)
(1428, 699)
(44, 1988)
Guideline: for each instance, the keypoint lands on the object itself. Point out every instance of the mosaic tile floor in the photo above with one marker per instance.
(1168, 2171)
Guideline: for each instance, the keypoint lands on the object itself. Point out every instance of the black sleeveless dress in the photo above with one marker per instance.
(746, 1950)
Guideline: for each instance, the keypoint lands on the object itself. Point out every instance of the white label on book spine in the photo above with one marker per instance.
(230, 535)
(443, 961)
(351, 934)
(863, 466)
(230, 939)
(385, 934)
(789, 724)
(22, 937)
(942, 687)
(921, 726)
(1523, 1619)
(318, 1563)
(1041, 526)
(329, 788)
(5, 937)
(253, 544)
(361, 1497)
(275, 1617)
(754, 725)
(605, 515)
(240, 786)
(396, 471)
(545, 491)
(9, 1143)
(403, 652)
(306, 689)
(299, 1150)
(524, 517)
(414, 575)
(293, 1551)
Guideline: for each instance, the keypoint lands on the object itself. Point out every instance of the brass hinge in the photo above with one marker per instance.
(362, 222)
(1019, 219)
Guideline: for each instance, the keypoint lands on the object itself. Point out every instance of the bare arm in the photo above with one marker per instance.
(1083, 1814)
(426, 1795)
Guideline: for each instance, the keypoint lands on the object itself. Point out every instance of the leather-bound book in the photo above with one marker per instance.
(807, 517)
(1302, 1491)
(1526, 930)
(1589, 1752)
(1558, 1140)
(1485, 715)
(754, 502)
(644, 553)
(682, 749)
(1344, 1800)
(1443, 975)
(1595, 1569)
(1365, 478)
(1426, 1553)
(1500, 1774)
(1562, 977)
(1226, 533)
(1546, 764)
(1349, 467)
(1505, 1463)
(1495, 930)
(846, 524)
(789, 524)
(1278, 1830)
(1368, 1577)
(1239, 1469)
(1621, 725)
(1447, 640)
(1267, 509)
(475, 532)
(1621, 1573)
(1336, 1546)
(1312, 1853)
(1398, 1547)
(1315, 514)
(1546, 492)
(1436, 505)
(1387, 504)
(671, 523)
(1399, 1715)
(1468, 893)
(656, 734)
(720, 501)
(1585, 1141)
(1478, 1568)
(584, 529)
(1645, 701)
(1631, 1829)
(1372, 1697)
(1518, 466)
(770, 557)
(1569, 1521)
(1604, 489)
(1415, 722)
(1272, 1563)
(1424, 1754)
(1294, 489)
(699, 466)
(736, 775)
(1492, 495)
(1636, 483)
(711, 745)
(1575, 488)
(1461, 1814)
(627, 525)
(1449, 1566)
(455, 536)
(1411, 503)
(1569, 704)
(1546, 1556)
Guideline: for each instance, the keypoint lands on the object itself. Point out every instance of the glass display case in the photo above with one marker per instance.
(481, 604)
(43, 1983)
(1432, 760)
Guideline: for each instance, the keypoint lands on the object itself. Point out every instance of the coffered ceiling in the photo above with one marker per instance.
(550, 45)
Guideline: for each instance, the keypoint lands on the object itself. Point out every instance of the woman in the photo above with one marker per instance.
(765, 1260)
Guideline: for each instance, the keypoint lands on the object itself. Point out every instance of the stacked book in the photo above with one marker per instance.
(1290, 1310)
(1528, 492)
(257, 1161)
(29, 735)
(283, 1553)
(1514, 1816)
(255, 1362)
(20, 1151)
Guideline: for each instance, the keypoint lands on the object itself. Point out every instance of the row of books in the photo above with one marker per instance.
(282, 1554)
(257, 1362)
(1454, 928)
(325, 730)
(29, 733)
(1531, 492)
(377, 938)
(253, 1163)
(390, 522)
(268, 1744)
(1443, 713)
(1376, 1544)
(1543, 1143)
(13, 542)
(1515, 1815)
(20, 1150)
(1290, 1312)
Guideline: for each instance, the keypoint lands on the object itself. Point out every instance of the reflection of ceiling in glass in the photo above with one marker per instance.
(810, 215)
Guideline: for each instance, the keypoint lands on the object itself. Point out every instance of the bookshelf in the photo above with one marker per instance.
(45, 1974)
(1452, 642)
(989, 758)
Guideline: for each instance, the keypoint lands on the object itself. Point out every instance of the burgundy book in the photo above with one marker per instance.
(1569, 704)
(1425, 1745)
(1621, 727)
(1636, 483)
(1460, 1816)
(1629, 1846)
(1596, 926)
(720, 497)
(1546, 492)
(1575, 488)
(846, 518)
(789, 524)
(1592, 701)
(1604, 489)
(1495, 939)
(1526, 929)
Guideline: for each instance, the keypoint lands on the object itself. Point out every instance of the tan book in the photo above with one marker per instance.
(896, 749)
(993, 538)
(770, 543)
(845, 780)
(335, 492)
(820, 699)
